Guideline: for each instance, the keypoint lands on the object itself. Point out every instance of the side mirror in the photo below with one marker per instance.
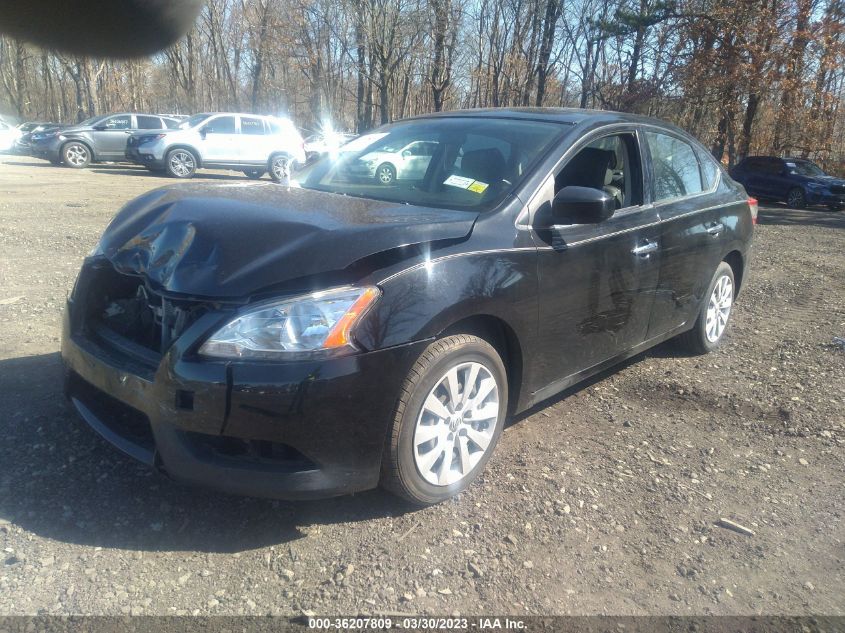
(203, 131)
(406, 153)
(581, 205)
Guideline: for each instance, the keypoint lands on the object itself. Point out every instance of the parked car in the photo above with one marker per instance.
(246, 142)
(98, 139)
(387, 163)
(326, 337)
(796, 181)
(8, 135)
(23, 144)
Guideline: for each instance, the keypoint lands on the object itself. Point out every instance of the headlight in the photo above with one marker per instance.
(317, 323)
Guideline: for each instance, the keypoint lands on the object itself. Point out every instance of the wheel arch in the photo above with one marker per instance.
(504, 339)
(736, 261)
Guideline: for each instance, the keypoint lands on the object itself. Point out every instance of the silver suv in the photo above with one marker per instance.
(246, 142)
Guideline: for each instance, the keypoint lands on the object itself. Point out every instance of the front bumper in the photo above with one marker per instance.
(48, 150)
(192, 418)
(825, 197)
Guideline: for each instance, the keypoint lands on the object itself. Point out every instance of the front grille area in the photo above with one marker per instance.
(838, 189)
(124, 313)
(125, 421)
(256, 453)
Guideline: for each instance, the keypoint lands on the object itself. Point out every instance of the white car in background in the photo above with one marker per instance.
(250, 143)
(323, 143)
(389, 163)
(8, 135)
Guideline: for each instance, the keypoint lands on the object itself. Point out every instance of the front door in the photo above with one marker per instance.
(110, 137)
(597, 281)
(219, 142)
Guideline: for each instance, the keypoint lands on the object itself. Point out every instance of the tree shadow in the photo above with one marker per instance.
(784, 216)
(60, 480)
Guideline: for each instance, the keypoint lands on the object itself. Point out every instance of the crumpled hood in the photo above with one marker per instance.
(230, 241)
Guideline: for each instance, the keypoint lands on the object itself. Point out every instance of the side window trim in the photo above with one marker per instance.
(638, 148)
(525, 219)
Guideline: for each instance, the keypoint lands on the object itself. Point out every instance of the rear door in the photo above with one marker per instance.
(111, 135)
(684, 184)
(597, 281)
(219, 140)
(253, 144)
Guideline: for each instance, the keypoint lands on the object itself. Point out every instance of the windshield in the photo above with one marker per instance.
(193, 121)
(458, 162)
(90, 121)
(805, 168)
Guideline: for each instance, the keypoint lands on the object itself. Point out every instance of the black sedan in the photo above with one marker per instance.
(326, 337)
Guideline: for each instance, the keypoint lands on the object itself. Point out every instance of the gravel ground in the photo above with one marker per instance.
(603, 501)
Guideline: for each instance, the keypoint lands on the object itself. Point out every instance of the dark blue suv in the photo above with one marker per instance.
(796, 181)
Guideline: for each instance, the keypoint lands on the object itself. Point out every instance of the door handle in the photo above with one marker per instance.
(715, 228)
(644, 250)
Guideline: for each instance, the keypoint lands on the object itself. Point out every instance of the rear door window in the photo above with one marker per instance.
(674, 165)
(148, 122)
(709, 170)
(252, 126)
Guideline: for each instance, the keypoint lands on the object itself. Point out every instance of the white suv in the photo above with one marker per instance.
(247, 142)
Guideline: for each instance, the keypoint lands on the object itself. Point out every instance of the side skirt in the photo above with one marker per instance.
(564, 383)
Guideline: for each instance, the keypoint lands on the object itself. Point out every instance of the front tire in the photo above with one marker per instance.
(386, 174)
(796, 199)
(180, 163)
(709, 330)
(76, 155)
(280, 168)
(449, 417)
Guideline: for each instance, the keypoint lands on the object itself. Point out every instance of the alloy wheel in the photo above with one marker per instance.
(281, 167)
(385, 174)
(76, 154)
(182, 164)
(719, 308)
(456, 424)
(795, 198)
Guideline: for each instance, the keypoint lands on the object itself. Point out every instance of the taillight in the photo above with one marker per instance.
(754, 206)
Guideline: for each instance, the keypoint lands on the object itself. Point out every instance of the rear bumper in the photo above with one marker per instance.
(133, 155)
(282, 430)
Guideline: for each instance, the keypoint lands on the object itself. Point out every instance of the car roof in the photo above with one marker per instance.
(569, 116)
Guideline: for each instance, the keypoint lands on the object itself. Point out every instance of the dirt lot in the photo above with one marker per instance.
(603, 501)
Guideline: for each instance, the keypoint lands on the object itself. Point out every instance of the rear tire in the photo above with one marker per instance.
(796, 199)
(76, 155)
(429, 456)
(716, 308)
(180, 163)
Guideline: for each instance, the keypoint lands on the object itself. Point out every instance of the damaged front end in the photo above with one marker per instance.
(134, 374)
